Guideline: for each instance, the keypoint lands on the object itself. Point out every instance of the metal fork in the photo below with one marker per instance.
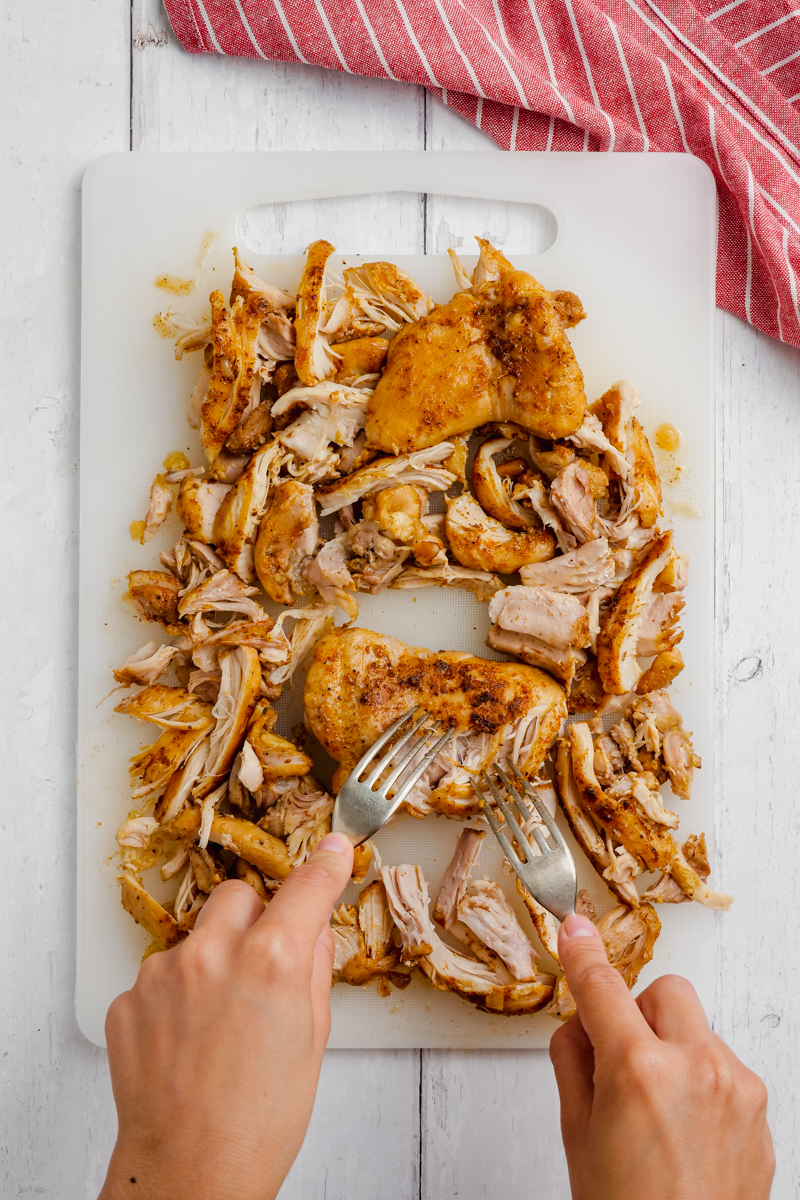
(363, 805)
(549, 876)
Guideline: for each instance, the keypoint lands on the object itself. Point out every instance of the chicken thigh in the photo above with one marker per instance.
(360, 683)
(497, 352)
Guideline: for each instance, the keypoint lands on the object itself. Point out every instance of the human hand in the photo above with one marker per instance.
(215, 1051)
(652, 1102)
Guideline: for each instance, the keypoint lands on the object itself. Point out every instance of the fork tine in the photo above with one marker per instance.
(401, 766)
(520, 801)
(388, 757)
(422, 767)
(496, 830)
(541, 808)
(541, 840)
(513, 825)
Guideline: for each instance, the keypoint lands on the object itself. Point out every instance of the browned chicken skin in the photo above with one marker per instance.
(495, 353)
(360, 682)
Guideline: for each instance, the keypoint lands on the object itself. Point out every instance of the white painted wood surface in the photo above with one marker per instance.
(91, 77)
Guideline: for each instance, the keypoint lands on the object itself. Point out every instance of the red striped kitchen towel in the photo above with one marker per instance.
(719, 80)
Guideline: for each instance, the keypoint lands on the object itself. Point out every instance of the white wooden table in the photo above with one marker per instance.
(85, 78)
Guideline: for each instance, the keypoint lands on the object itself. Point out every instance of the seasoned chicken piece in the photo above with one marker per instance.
(246, 283)
(361, 356)
(237, 521)
(329, 574)
(223, 592)
(580, 570)
(147, 912)
(680, 761)
(493, 490)
(286, 539)
(227, 468)
(313, 360)
(331, 412)
(360, 682)
(563, 663)
(495, 353)
(145, 665)
(168, 707)
(646, 483)
(261, 635)
(418, 470)
(154, 596)
(490, 988)
(614, 410)
(279, 758)
(303, 819)
(663, 670)
(629, 936)
(590, 436)
(482, 543)
(178, 791)
(585, 829)
(557, 618)
(269, 854)
(252, 432)
(482, 583)
(362, 938)
(454, 881)
(136, 832)
(198, 505)
(234, 390)
(160, 504)
(155, 764)
(208, 867)
(239, 690)
(534, 491)
(485, 911)
(666, 890)
(675, 575)
(624, 818)
(571, 497)
(397, 512)
(569, 308)
(658, 628)
(379, 294)
(550, 457)
(619, 632)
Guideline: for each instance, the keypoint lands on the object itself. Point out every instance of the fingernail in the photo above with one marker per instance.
(578, 926)
(338, 842)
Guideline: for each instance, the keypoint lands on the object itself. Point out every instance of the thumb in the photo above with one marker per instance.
(306, 898)
(607, 1010)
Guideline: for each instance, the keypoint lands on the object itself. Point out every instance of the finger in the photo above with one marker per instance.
(606, 1008)
(672, 1009)
(572, 1057)
(321, 979)
(305, 900)
(232, 905)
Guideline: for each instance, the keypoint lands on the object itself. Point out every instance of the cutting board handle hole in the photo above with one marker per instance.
(448, 222)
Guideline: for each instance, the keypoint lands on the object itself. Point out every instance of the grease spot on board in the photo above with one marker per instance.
(163, 326)
(772, 1020)
(205, 245)
(174, 284)
(684, 508)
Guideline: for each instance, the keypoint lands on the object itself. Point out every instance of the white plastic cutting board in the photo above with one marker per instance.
(635, 238)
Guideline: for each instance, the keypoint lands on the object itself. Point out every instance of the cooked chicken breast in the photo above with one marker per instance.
(496, 353)
(360, 682)
(287, 537)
